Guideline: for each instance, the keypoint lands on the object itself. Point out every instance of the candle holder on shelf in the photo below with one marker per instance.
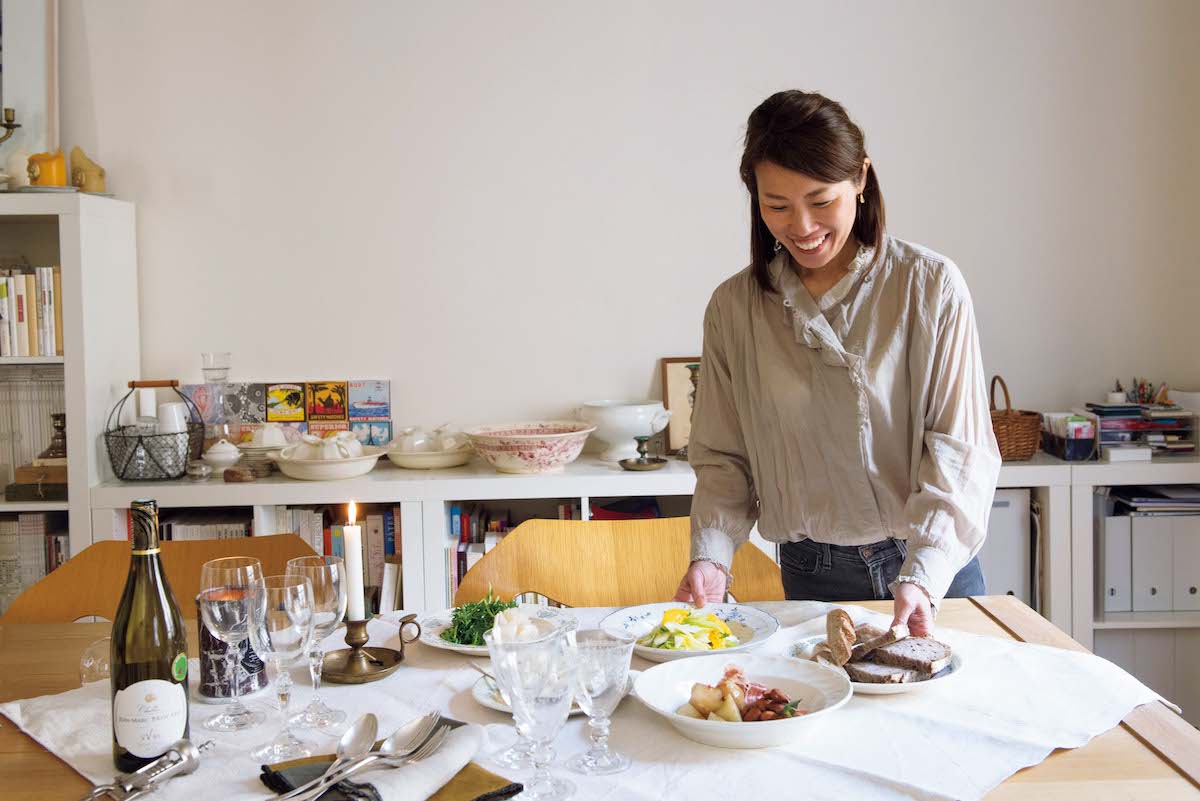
(359, 664)
(643, 460)
(58, 440)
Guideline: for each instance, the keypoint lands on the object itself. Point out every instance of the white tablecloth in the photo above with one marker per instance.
(1012, 705)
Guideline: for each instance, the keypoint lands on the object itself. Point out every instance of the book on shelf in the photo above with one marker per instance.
(31, 314)
(373, 545)
(5, 335)
(1126, 453)
(16, 287)
(390, 597)
(56, 286)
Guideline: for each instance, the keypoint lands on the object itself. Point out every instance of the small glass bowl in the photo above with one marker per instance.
(198, 470)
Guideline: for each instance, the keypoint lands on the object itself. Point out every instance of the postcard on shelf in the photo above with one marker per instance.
(326, 401)
(245, 403)
(324, 429)
(372, 432)
(370, 400)
(207, 398)
(285, 403)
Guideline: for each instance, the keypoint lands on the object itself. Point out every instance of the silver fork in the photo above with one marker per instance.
(392, 761)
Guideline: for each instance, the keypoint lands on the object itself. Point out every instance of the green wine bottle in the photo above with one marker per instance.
(148, 660)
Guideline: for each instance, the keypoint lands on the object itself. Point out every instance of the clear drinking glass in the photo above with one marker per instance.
(327, 574)
(538, 676)
(281, 631)
(601, 673)
(93, 662)
(215, 365)
(225, 608)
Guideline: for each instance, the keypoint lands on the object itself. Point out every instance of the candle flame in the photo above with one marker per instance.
(353, 515)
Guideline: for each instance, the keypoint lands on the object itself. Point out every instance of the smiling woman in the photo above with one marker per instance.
(841, 401)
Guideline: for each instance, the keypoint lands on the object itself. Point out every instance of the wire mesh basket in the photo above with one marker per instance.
(138, 453)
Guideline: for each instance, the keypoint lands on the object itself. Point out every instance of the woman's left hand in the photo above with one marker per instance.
(913, 609)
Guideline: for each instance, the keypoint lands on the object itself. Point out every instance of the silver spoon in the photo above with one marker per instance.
(403, 742)
(354, 742)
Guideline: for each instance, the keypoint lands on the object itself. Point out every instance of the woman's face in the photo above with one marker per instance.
(812, 219)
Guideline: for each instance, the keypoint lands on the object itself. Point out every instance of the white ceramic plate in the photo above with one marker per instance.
(483, 694)
(431, 460)
(434, 624)
(751, 626)
(804, 648)
(327, 469)
(819, 690)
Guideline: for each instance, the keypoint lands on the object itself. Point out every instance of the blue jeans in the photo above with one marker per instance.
(814, 571)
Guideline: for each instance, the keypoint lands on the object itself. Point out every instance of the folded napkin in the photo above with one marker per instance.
(446, 775)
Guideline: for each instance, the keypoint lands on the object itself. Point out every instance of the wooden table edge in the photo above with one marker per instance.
(1155, 724)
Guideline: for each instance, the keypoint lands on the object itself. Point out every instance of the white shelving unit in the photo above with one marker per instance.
(93, 240)
(424, 495)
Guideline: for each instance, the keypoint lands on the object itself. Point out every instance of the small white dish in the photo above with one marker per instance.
(431, 460)
(751, 626)
(222, 454)
(484, 695)
(432, 626)
(803, 650)
(325, 469)
(817, 689)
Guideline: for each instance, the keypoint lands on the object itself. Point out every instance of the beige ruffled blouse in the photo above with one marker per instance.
(849, 419)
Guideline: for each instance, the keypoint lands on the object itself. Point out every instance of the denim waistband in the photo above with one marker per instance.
(869, 554)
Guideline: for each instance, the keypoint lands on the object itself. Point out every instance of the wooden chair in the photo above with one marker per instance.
(91, 582)
(606, 563)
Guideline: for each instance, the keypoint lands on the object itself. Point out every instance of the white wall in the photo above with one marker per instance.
(514, 209)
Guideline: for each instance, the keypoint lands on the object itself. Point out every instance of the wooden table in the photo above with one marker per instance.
(1153, 754)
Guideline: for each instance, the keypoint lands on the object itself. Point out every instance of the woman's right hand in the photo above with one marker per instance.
(703, 583)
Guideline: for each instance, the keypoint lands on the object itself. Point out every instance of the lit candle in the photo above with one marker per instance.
(352, 543)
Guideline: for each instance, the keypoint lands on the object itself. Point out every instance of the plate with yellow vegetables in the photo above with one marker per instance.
(675, 630)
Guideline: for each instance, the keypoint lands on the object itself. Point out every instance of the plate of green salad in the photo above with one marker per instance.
(461, 628)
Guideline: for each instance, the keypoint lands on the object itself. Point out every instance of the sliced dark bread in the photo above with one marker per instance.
(865, 647)
(872, 673)
(914, 653)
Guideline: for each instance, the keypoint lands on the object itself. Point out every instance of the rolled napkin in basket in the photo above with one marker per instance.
(446, 775)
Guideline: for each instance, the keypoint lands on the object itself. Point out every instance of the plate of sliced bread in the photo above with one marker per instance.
(879, 661)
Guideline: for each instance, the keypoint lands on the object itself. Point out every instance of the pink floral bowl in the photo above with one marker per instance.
(536, 447)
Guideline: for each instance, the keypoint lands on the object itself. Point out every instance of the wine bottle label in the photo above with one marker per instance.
(179, 667)
(149, 716)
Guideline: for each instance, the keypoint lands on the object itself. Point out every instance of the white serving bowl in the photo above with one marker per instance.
(542, 446)
(618, 422)
(325, 469)
(752, 627)
(431, 460)
(818, 689)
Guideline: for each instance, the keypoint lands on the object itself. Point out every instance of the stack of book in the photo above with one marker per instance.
(203, 524)
(1182, 499)
(382, 543)
(30, 312)
(1135, 432)
(41, 480)
(31, 545)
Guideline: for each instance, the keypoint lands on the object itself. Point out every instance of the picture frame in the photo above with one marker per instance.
(29, 75)
(676, 392)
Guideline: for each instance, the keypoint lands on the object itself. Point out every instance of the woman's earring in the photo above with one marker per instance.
(861, 199)
(778, 246)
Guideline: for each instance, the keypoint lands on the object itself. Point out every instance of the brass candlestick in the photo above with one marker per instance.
(359, 664)
(643, 461)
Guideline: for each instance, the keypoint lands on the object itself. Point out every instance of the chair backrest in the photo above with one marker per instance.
(91, 582)
(606, 563)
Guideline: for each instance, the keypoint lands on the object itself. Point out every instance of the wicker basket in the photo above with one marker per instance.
(147, 456)
(1018, 433)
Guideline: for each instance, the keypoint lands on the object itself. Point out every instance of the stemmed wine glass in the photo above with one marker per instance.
(224, 601)
(281, 630)
(538, 677)
(601, 673)
(327, 574)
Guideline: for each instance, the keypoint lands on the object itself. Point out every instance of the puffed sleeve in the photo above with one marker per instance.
(725, 504)
(947, 512)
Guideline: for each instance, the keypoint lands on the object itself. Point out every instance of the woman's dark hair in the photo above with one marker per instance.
(808, 133)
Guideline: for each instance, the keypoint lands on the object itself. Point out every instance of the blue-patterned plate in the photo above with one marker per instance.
(751, 626)
(432, 626)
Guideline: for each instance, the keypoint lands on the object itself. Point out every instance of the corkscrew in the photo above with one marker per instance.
(180, 759)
